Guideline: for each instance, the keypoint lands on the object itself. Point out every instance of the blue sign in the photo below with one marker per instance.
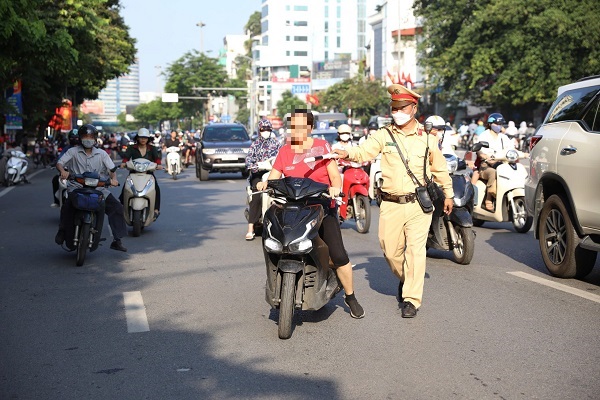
(323, 124)
(300, 89)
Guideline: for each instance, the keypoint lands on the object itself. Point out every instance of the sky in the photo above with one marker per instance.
(166, 29)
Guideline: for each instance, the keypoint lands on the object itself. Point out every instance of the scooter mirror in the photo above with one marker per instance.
(478, 146)
(428, 127)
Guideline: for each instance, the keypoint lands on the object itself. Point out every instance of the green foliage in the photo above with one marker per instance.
(364, 97)
(61, 48)
(288, 103)
(253, 28)
(508, 52)
(154, 112)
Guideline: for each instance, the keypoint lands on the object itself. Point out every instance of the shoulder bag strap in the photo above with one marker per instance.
(410, 173)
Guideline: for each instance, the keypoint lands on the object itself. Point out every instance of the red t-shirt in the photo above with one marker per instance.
(292, 164)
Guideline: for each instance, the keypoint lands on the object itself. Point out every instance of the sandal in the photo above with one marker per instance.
(489, 205)
(156, 214)
(250, 236)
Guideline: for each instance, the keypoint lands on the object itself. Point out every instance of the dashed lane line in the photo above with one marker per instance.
(557, 286)
(135, 312)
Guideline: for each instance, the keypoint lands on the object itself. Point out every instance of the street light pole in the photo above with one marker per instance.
(201, 25)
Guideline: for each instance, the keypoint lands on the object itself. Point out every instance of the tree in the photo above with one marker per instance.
(195, 70)
(364, 97)
(154, 112)
(253, 28)
(288, 103)
(61, 48)
(511, 53)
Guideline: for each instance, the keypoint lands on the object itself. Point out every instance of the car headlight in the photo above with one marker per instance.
(209, 151)
(512, 155)
(91, 182)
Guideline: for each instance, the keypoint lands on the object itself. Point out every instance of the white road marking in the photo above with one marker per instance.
(5, 191)
(230, 181)
(556, 285)
(135, 312)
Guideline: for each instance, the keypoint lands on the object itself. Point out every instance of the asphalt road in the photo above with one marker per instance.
(485, 331)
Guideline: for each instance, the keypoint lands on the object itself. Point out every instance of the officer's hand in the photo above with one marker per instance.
(261, 185)
(334, 191)
(448, 204)
(341, 153)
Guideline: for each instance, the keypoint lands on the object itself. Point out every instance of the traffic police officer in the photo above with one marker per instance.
(403, 226)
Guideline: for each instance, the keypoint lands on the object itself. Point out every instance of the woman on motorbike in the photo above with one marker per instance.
(142, 149)
(265, 147)
(290, 161)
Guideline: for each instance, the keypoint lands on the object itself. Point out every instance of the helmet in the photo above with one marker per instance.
(344, 128)
(73, 137)
(265, 125)
(373, 126)
(437, 121)
(496, 118)
(143, 132)
(88, 129)
(157, 132)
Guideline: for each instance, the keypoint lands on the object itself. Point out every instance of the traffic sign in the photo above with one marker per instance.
(300, 89)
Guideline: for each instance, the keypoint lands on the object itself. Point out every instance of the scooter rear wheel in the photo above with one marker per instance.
(286, 306)
(465, 246)
(83, 243)
(362, 214)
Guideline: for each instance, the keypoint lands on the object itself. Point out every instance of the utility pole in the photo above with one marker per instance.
(201, 25)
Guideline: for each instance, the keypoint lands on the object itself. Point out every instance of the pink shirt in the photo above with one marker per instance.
(292, 164)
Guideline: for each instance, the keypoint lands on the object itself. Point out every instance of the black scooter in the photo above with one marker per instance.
(297, 259)
(454, 232)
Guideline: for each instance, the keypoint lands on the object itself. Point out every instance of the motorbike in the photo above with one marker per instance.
(139, 194)
(376, 180)
(454, 232)
(88, 202)
(297, 259)
(264, 167)
(356, 191)
(509, 204)
(16, 168)
(173, 161)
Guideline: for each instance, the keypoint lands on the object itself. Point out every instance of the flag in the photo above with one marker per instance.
(312, 99)
(391, 77)
(409, 83)
(403, 80)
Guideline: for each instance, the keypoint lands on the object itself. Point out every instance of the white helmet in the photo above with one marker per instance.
(143, 132)
(437, 121)
(344, 128)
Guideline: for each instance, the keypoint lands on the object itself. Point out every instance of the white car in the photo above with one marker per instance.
(562, 191)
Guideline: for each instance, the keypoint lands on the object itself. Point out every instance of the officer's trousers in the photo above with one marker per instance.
(403, 232)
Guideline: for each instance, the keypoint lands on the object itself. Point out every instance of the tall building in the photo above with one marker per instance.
(119, 93)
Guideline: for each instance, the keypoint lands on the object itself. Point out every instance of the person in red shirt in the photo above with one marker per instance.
(290, 162)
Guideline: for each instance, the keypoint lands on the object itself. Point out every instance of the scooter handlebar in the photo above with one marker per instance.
(323, 157)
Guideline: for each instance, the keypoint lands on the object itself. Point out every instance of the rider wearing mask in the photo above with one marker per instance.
(87, 158)
(344, 141)
(73, 139)
(301, 145)
(265, 147)
(143, 149)
(499, 144)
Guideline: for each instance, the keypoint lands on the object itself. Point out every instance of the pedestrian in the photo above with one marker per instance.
(403, 225)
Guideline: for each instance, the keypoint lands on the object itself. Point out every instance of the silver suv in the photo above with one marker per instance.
(563, 189)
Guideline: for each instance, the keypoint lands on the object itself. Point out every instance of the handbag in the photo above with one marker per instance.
(425, 194)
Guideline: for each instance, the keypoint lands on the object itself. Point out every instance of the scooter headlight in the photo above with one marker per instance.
(93, 182)
(141, 167)
(272, 245)
(303, 246)
(512, 155)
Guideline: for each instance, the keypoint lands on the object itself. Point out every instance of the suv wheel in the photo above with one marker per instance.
(203, 174)
(559, 242)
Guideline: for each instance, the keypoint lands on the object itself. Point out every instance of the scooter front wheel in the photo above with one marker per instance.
(362, 214)
(286, 306)
(137, 223)
(83, 243)
(465, 245)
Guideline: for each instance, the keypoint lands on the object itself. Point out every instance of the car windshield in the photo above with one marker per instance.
(329, 136)
(225, 134)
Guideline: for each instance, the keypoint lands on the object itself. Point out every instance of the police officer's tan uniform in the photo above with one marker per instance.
(403, 226)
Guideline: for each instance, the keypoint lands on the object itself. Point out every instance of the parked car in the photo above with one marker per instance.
(222, 148)
(563, 189)
(328, 134)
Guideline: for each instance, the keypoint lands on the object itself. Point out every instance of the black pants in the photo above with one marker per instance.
(255, 207)
(113, 209)
(156, 187)
(332, 235)
(55, 188)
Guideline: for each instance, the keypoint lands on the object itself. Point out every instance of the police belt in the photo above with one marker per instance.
(401, 199)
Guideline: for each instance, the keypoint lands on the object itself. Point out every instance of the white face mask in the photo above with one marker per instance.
(265, 134)
(400, 118)
(344, 137)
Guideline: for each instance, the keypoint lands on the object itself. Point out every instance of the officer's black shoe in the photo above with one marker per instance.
(117, 245)
(356, 311)
(60, 237)
(408, 310)
(399, 296)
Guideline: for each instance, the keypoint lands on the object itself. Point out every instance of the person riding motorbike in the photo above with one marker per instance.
(143, 149)
(73, 139)
(87, 158)
(263, 148)
(372, 128)
(157, 140)
(300, 145)
(499, 144)
(344, 140)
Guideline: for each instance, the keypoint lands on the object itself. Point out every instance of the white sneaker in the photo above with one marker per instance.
(54, 205)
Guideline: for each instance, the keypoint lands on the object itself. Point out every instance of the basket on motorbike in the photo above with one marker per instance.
(87, 199)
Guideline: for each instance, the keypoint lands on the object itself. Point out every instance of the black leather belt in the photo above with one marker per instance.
(402, 199)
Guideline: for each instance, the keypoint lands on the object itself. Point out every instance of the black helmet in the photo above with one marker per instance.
(88, 129)
(496, 118)
(73, 137)
(373, 126)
